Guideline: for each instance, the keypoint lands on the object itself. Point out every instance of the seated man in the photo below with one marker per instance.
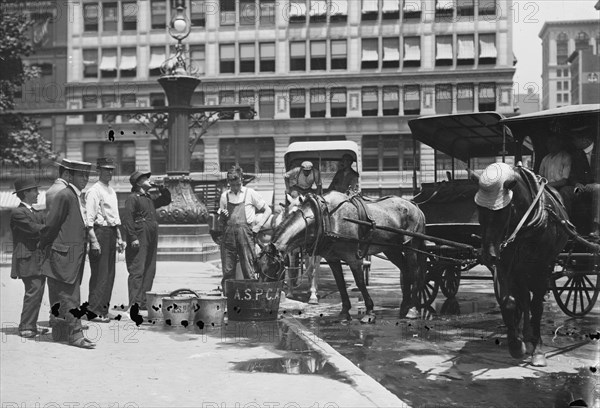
(556, 165)
(346, 178)
(301, 179)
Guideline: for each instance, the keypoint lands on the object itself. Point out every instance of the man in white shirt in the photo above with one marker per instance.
(102, 222)
(556, 165)
(301, 179)
(238, 208)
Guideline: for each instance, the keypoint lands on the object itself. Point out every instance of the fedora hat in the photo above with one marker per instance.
(25, 184)
(491, 193)
(135, 176)
(76, 165)
(105, 163)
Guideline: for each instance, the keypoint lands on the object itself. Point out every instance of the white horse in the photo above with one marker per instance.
(311, 263)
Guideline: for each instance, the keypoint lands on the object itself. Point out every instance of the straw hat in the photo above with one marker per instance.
(76, 165)
(491, 193)
(306, 165)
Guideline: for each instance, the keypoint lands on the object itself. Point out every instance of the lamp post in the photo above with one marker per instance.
(179, 87)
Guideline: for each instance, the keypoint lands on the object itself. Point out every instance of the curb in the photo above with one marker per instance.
(364, 384)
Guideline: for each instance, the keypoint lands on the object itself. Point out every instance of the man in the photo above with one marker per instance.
(102, 221)
(301, 179)
(346, 179)
(238, 207)
(26, 224)
(60, 183)
(556, 165)
(142, 236)
(583, 185)
(63, 241)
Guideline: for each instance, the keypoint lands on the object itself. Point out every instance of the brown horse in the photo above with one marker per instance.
(521, 238)
(320, 227)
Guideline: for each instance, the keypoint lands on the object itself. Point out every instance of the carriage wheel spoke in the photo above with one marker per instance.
(587, 294)
(568, 292)
(582, 289)
(592, 286)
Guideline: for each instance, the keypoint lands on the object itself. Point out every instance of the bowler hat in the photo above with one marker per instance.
(76, 165)
(135, 176)
(105, 163)
(25, 184)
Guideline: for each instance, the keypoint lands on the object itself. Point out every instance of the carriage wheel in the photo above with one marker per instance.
(575, 291)
(450, 280)
(428, 292)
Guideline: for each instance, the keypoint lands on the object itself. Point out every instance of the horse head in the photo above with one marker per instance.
(270, 264)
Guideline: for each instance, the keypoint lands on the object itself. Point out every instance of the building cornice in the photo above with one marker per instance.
(550, 24)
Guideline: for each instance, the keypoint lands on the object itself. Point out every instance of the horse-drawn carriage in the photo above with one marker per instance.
(475, 140)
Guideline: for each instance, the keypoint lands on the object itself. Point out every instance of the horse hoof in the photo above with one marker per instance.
(412, 313)
(516, 348)
(539, 360)
(313, 301)
(345, 316)
(368, 319)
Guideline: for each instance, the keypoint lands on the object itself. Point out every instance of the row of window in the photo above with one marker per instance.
(582, 41)
(379, 153)
(332, 102)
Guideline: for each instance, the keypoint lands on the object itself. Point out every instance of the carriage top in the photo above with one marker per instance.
(297, 152)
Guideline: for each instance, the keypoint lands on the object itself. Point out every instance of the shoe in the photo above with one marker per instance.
(101, 319)
(28, 334)
(82, 342)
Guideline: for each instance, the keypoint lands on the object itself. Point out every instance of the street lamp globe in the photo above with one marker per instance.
(180, 25)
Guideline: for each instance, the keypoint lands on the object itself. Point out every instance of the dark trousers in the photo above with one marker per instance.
(141, 264)
(102, 268)
(32, 301)
(237, 244)
(64, 297)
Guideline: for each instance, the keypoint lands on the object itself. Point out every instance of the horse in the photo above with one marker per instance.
(521, 235)
(320, 226)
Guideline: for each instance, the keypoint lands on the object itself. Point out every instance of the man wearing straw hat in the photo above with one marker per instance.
(103, 221)
(63, 180)
(63, 241)
(26, 224)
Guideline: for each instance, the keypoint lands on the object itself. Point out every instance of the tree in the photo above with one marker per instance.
(20, 140)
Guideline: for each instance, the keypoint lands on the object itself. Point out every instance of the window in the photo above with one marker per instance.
(390, 101)
(390, 10)
(266, 104)
(370, 9)
(247, 98)
(198, 98)
(487, 49)
(465, 8)
(158, 157)
(317, 103)
(247, 58)
(158, 12)
(128, 101)
(90, 17)
(90, 102)
(466, 50)
(45, 68)
(370, 54)
(464, 98)
(297, 103)
(226, 98)
(444, 10)
(255, 155)
(108, 101)
(157, 57)
(412, 52)
(339, 56)
(227, 59)
(198, 13)
(559, 86)
(559, 72)
(298, 56)
(487, 97)
(388, 153)
(443, 99)
(318, 11)
(338, 11)
(109, 16)
(157, 99)
(338, 102)
(197, 157)
(129, 14)
(559, 98)
(582, 41)
(487, 8)
(247, 12)
(90, 63)
(128, 65)
(411, 10)
(108, 64)
(318, 55)
(123, 153)
(562, 49)
(566, 85)
(227, 12)
(267, 57)
(197, 59)
(566, 97)
(267, 12)
(391, 53)
(566, 72)
(412, 100)
(297, 11)
(443, 51)
(370, 101)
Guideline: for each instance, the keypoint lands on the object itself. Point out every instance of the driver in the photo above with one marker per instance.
(346, 179)
(301, 179)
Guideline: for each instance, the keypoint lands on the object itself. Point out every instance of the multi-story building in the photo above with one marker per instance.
(528, 102)
(560, 39)
(584, 67)
(313, 70)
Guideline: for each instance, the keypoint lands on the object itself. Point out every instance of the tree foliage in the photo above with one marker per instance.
(20, 140)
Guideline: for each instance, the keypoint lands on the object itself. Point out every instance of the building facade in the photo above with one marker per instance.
(313, 70)
(584, 67)
(560, 39)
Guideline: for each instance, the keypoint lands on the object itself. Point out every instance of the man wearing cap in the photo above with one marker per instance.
(301, 179)
(103, 221)
(345, 179)
(238, 208)
(26, 224)
(64, 241)
(142, 236)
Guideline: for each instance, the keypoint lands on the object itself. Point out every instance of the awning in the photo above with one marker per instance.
(338, 47)
(317, 95)
(297, 9)
(487, 47)
(466, 48)
(370, 6)
(369, 50)
(412, 6)
(247, 51)
(390, 94)
(444, 4)
(157, 59)
(339, 7)
(369, 95)
(443, 48)
(318, 7)
(391, 53)
(108, 63)
(412, 49)
(318, 49)
(390, 6)
(128, 62)
(298, 49)
(338, 96)
(267, 50)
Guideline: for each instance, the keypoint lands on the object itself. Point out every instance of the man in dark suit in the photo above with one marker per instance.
(26, 224)
(64, 243)
(63, 180)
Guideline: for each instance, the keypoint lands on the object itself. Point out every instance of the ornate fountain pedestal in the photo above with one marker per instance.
(185, 208)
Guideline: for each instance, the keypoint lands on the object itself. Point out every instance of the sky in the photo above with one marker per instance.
(528, 19)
